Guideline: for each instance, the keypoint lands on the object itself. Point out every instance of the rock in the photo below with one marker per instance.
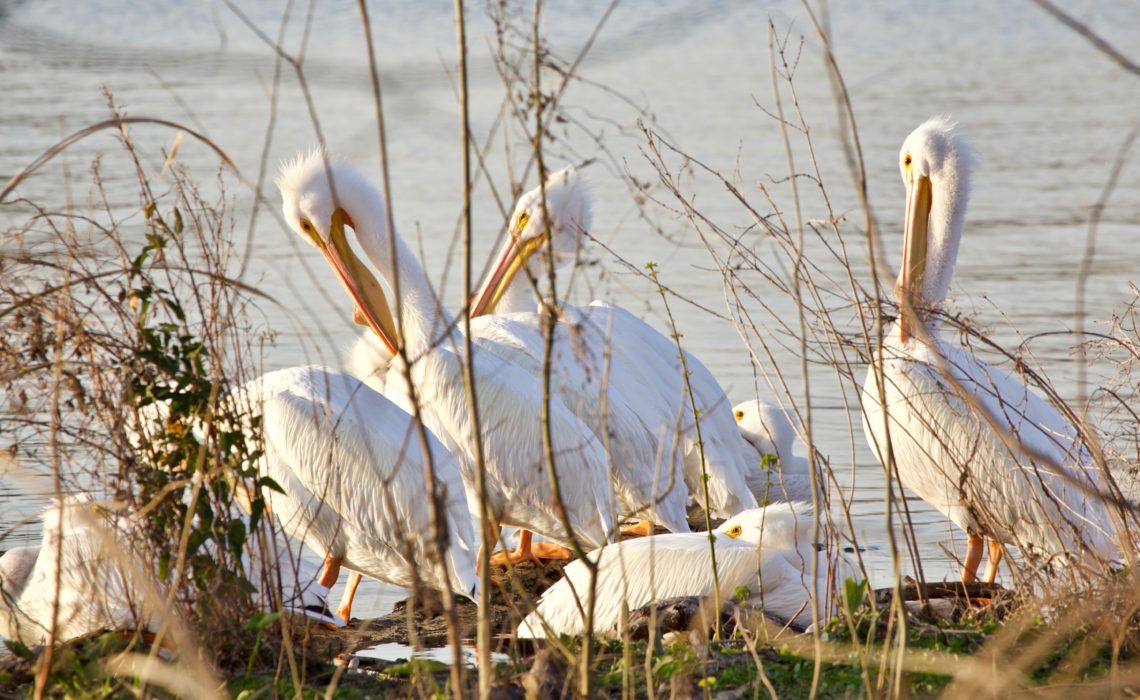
(670, 615)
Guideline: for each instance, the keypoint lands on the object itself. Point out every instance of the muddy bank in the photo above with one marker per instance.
(421, 622)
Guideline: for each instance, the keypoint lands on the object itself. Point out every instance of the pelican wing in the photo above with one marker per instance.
(1020, 487)
(646, 364)
(352, 469)
(642, 477)
(510, 404)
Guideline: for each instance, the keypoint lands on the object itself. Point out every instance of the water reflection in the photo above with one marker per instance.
(393, 652)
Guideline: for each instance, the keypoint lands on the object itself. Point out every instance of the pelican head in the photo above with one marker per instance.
(766, 427)
(564, 219)
(315, 197)
(771, 526)
(935, 163)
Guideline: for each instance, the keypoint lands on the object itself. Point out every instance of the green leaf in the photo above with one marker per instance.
(261, 620)
(256, 509)
(236, 537)
(18, 648)
(267, 483)
(853, 594)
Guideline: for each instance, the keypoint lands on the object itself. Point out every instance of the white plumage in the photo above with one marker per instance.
(645, 373)
(352, 470)
(972, 441)
(509, 399)
(642, 479)
(94, 591)
(767, 550)
(769, 431)
(368, 361)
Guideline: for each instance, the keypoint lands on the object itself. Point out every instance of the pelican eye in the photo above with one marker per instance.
(907, 160)
(739, 415)
(523, 218)
(733, 531)
(310, 230)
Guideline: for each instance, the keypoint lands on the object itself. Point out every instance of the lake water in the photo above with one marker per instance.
(1046, 113)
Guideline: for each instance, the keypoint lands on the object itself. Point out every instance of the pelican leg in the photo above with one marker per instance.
(345, 609)
(994, 559)
(975, 544)
(531, 551)
(331, 572)
(643, 528)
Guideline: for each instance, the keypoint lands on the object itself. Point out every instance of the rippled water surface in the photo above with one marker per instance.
(1046, 113)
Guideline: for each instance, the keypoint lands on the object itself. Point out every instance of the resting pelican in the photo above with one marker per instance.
(972, 441)
(644, 366)
(319, 199)
(351, 467)
(93, 591)
(768, 431)
(768, 550)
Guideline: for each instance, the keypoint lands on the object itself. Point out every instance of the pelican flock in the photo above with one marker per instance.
(635, 428)
(519, 485)
(640, 367)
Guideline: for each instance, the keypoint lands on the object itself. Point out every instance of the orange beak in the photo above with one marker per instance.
(372, 307)
(913, 274)
(496, 285)
(514, 254)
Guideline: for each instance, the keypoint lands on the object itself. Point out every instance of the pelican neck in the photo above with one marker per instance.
(426, 324)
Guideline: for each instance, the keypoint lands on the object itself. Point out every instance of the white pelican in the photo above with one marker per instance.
(972, 441)
(644, 366)
(509, 399)
(97, 590)
(94, 592)
(767, 550)
(769, 431)
(351, 467)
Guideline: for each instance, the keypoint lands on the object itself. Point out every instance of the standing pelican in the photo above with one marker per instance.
(320, 198)
(350, 465)
(972, 441)
(644, 366)
(769, 431)
(768, 550)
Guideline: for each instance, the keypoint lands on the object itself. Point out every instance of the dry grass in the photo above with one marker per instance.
(126, 325)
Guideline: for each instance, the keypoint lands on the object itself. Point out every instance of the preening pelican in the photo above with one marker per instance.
(769, 431)
(352, 470)
(648, 481)
(644, 368)
(767, 550)
(320, 198)
(94, 591)
(972, 441)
